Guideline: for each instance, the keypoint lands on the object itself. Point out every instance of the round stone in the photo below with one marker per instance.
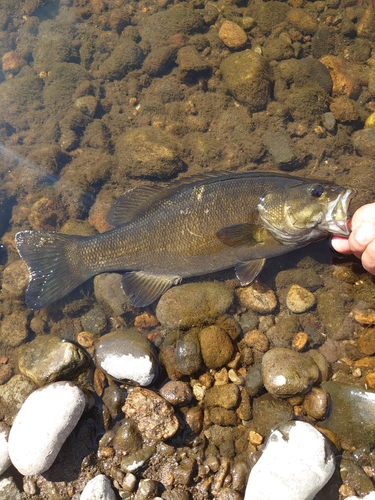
(128, 439)
(98, 488)
(315, 403)
(257, 297)
(176, 392)
(232, 35)
(42, 425)
(299, 300)
(216, 347)
(127, 355)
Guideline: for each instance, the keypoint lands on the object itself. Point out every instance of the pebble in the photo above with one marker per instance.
(4, 453)
(127, 355)
(9, 490)
(226, 396)
(278, 145)
(351, 416)
(128, 439)
(296, 463)
(98, 488)
(287, 373)
(42, 425)
(299, 299)
(257, 297)
(109, 293)
(193, 304)
(366, 341)
(15, 279)
(188, 354)
(216, 347)
(315, 403)
(15, 392)
(363, 313)
(232, 35)
(176, 393)
(47, 359)
(155, 417)
(268, 412)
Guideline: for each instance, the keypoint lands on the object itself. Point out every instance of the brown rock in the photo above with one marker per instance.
(364, 314)
(366, 342)
(344, 109)
(232, 35)
(12, 62)
(155, 417)
(315, 403)
(257, 297)
(216, 347)
(257, 340)
(343, 77)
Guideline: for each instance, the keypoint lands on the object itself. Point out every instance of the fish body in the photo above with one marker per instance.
(192, 227)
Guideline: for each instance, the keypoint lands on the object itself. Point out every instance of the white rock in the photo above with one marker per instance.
(99, 488)
(4, 453)
(296, 463)
(42, 425)
(370, 496)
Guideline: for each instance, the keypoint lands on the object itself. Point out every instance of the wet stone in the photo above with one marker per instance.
(232, 35)
(155, 417)
(216, 347)
(351, 416)
(194, 419)
(278, 145)
(127, 355)
(128, 439)
(15, 279)
(354, 476)
(137, 459)
(315, 403)
(257, 297)
(222, 416)
(47, 359)
(287, 373)
(4, 454)
(364, 142)
(268, 412)
(226, 396)
(366, 342)
(333, 309)
(13, 329)
(15, 392)
(98, 488)
(113, 398)
(254, 380)
(94, 321)
(299, 300)
(176, 392)
(109, 293)
(193, 304)
(294, 450)
(364, 314)
(282, 334)
(188, 354)
(41, 427)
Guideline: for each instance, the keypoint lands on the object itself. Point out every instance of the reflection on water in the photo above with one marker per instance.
(100, 96)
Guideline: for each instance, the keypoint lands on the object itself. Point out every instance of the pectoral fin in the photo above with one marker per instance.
(238, 234)
(246, 272)
(142, 288)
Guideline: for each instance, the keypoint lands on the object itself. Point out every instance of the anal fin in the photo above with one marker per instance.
(143, 288)
(247, 271)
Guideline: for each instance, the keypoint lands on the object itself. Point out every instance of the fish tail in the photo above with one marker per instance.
(54, 265)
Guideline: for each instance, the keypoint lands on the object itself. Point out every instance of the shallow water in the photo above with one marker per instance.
(100, 96)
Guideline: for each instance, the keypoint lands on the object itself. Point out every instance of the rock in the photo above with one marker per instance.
(126, 56)
(333, 311)
(42, 425)
(300, 20)
(351, 414)
(364, 313)
(193, 304)
(4, 453)
(15, 279)
(15, 392)
(94, 321)
(127, 355)
(128, 439)
(271, 14)
(12, 62)
(147, 490)
(315, 403)
(188, 354)
(269, 412)
(216, 347)
(9, 490)
(247, 76)
(278, 145)
(194, 419)
(159, 60)
(155, 417)
(254, 380)
(344, 79)
(257, 297)
(282, 333)
(149, 152)
(47, 359)
(109, 293)
(226, 396)
(287, 373)
(354, 476)
(293, 451)
(176, 393)
(329, 121)
(191, 64)
(366, 341)
(13, 328)
(98, 488)
(137, 459)
(299, 300)
(232, 35)
(364, 142)
(257, 340)
(344, 109)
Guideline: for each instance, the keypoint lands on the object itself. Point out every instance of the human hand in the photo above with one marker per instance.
(361, 241)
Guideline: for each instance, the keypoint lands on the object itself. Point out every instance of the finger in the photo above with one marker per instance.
(361, 237)
(368, 258)
(341, 244)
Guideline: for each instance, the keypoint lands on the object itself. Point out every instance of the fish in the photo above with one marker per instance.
(191, 227)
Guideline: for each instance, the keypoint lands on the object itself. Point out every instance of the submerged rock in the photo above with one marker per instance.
(98, 488)
(296, 463)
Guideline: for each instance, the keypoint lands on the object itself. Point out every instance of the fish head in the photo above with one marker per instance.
(306, 211)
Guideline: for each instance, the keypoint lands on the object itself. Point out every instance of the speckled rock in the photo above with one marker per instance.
(127, 355)
(13, 328)
(257, 297)
(109, 293)
(355, 477)
(155, 417)
(226, 396)
(15, 392)
(15, 279)
(279, 147)
(188, 357)
(176, 392)
(98, 488)
(247, 76)
(287, 373)
(268, 412)
(4, 453)
(232, 35)
(299, 300)
(293, 451)
(149, 152)
(42, 425)
(47, 359)
(350, 405)
(193, 304)
(333, 310)
(216, 347)
(9, 490)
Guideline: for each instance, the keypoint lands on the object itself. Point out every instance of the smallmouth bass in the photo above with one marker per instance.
(192, 227)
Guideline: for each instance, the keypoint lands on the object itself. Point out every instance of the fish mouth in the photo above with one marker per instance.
(337, 216)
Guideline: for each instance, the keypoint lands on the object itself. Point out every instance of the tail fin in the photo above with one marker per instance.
(54, 265)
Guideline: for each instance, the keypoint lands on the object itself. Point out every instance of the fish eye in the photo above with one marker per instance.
(317, 191)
